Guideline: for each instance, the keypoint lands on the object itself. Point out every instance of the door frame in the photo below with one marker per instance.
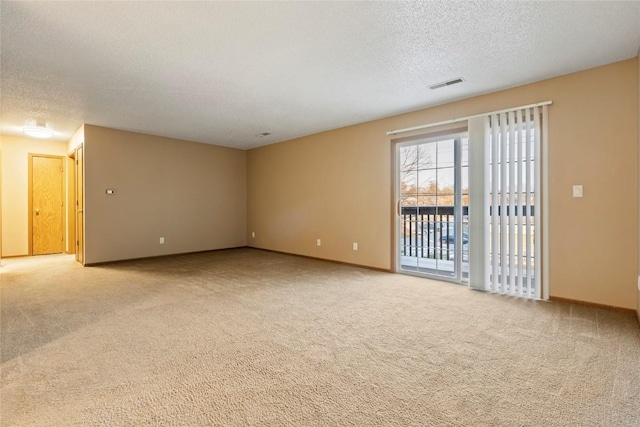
(30, 195)
(71, 203)
(457, 134)
(79, 203)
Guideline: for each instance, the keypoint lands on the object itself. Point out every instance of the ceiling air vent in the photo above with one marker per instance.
(447, 83)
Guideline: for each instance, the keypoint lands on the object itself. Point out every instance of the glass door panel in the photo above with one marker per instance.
(432, 218)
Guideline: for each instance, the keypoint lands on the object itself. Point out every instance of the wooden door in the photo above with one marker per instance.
(80, 204)
(47, 204)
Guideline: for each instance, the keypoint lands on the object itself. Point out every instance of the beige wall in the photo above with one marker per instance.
(76, 139)
(1, 200)
(638, 290)
(337, 185)
(15, 189)
(193, 195)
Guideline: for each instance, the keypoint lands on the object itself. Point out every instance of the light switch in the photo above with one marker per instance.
(577, 191)
(111, 192)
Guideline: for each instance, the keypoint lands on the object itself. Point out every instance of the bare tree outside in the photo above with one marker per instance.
(418, 185)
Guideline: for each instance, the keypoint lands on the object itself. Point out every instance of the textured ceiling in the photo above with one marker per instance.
(223, 72)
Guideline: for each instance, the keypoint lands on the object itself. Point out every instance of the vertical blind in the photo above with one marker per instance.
(513, 208)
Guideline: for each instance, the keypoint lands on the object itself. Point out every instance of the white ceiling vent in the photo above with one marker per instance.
(447, 83)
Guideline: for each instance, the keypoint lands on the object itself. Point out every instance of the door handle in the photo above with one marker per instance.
(37, 211)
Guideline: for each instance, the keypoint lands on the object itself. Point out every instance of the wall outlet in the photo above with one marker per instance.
(253, 234)
(319, 242)
(355, 246)
(162, 240)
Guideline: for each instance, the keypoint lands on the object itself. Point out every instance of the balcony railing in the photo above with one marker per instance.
(429, 231)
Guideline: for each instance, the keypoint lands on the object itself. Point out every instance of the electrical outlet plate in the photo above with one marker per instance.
(162, 240)
(355, 246)
(319, 242)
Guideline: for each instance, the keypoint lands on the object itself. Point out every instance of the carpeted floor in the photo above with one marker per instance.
(246, 337)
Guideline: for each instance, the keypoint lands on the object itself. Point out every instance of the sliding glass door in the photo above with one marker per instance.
(433, 207)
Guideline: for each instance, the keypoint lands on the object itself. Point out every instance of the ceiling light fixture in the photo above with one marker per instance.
(38, 131)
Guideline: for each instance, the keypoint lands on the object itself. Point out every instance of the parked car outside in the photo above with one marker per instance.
(451, 237)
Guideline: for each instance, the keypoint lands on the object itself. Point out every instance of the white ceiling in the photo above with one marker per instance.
(223, 72)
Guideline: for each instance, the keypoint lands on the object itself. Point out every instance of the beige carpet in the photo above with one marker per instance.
(246, 337)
